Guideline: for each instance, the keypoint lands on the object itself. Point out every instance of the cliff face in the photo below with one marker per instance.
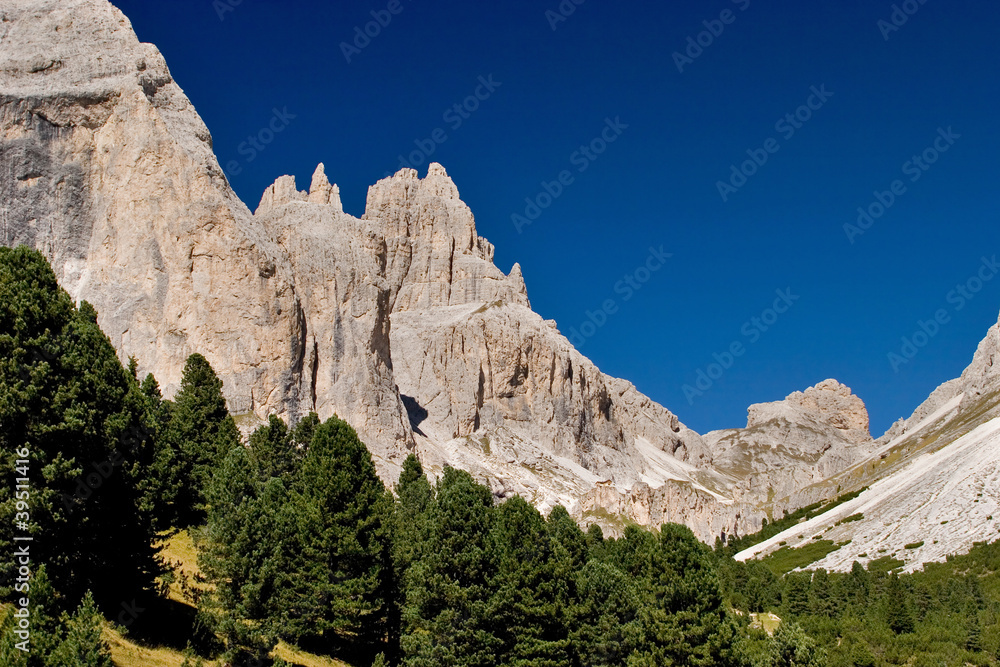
(106, 167)
(398, 321)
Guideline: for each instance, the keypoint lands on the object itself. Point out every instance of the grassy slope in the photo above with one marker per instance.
(181, 555)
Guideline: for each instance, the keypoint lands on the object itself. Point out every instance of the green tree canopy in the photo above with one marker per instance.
(69, 405)
(200, 434)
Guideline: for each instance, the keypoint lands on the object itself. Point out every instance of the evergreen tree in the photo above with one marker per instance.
(274, 453)
(339, 581)
(684, 619)
(68, 411)
(10, 654)
(45, 630)
(974, 636)
(200, 434)
(761, 588)
(568, 537)
(411, 533)
(795, 597)
(822, 597)
(858, 586)
(605, 628)
(302, 433)
(530, 590)
(899, 612)
(595, 542)
(83, 645)
(242, 557)
(145, 442)
(446, 619)
(792, 647)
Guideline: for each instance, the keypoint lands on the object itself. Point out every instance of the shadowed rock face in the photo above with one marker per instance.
(398, 321)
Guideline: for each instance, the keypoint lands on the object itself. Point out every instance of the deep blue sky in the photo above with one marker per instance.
(657, 183)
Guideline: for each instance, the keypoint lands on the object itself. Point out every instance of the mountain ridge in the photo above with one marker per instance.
(398, 321)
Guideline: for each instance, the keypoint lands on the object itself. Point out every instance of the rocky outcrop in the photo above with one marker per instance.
(828, 402)
(792, 443)
(475, 364)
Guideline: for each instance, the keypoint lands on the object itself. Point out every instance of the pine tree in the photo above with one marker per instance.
(200, 434)
(792, 647)
(339, 582)
(604, 620)
(822, 598)
(762, 588)
(159, 482)
(684, 619)
(83, 645)
(10, 654)
(446, 618)
(567, 535)
(899, 611)
(530, 590)
(274, 453)
(411, 533)
(595, 542)
(795, 597)
(45, 631)
(974, 636)
(240, 556)
(302, 433)
(69, 405)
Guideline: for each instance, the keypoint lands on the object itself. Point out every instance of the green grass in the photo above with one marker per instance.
(735, 545)
(914, 545)
(853, 517)
(787, 559)
(159, 647)
(885, 564)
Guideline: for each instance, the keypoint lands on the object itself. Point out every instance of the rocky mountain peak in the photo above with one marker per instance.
(283, 191)
(321, 191)
(828, 402)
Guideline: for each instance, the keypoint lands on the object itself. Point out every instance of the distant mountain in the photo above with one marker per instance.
(398, 321)
(933, 480)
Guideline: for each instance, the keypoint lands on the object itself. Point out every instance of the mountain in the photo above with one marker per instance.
(398, 321)
(930, 488)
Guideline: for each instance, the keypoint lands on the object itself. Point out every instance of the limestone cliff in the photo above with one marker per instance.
(107, 168)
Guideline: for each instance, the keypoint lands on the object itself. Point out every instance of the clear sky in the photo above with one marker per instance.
(645, 129)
